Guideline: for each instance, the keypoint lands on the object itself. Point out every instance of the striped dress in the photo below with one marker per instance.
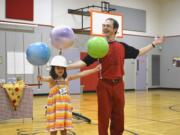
(59, 109)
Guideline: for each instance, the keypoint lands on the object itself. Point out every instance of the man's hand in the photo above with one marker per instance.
(158, 40)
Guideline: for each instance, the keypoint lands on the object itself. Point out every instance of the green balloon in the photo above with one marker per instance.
(97, 47)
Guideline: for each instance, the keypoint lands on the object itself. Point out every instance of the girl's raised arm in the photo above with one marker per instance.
(44, 79)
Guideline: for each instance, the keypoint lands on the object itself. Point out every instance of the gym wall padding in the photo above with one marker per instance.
(20, 9)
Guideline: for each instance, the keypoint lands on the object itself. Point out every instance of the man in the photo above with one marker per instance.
(110, 89)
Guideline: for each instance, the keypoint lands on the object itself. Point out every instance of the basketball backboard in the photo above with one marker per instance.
(97, 18)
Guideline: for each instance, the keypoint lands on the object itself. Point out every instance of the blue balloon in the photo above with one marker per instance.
(38, 54)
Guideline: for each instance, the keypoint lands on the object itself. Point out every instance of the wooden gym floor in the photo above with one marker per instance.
(155, 112)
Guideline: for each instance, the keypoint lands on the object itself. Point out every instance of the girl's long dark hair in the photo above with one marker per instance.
(53, 74)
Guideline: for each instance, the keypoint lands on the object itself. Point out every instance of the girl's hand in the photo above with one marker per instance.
(98, 67)
(39, 78)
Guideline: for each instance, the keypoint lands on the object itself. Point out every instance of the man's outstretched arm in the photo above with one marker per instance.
(76, 65)
(147, 48)
(88, 60)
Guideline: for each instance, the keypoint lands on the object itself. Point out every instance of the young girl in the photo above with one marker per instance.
(59, 109)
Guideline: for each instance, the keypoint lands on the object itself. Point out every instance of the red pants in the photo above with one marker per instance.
(110, 107)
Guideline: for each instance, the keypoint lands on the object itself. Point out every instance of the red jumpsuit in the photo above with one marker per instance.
(110, 91)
